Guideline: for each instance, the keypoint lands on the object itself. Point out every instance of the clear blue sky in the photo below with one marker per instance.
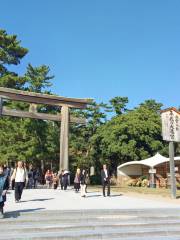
(102, 48)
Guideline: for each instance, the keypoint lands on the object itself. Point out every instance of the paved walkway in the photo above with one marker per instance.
(49, 199)
(47, 214)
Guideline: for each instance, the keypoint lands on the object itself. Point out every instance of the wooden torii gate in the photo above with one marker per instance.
(37, 98)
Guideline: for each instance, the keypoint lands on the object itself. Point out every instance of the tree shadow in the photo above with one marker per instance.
(93, 191)
(16, 214)
(95, 195)
(98, 195)
(116, 195)
(38, 200)
(41, 199)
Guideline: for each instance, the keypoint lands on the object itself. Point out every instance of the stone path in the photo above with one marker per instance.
(49, 199)
(48, 214)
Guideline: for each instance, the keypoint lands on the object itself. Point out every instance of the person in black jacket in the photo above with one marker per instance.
(65, 179)
(105, 179)
(83, 183)
(4, 186)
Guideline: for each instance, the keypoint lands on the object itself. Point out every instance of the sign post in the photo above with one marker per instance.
(152, 171)
(171, 133)
(172, 170)
(1, 105)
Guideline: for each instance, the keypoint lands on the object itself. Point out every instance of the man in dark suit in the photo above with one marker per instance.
(105, 179)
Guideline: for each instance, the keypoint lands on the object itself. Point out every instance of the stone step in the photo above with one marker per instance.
(143, 234)
(101, 218)
(105, 211)
(18, 227)
(130, 225)
(151, 211)
(62, 227)
(125, 220)
(65, 222)
(91, 213)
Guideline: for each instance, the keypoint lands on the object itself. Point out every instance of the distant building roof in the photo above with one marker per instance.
(150, 162)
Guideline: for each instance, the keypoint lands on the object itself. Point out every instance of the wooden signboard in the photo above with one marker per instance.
(152, 170)
(171, 125)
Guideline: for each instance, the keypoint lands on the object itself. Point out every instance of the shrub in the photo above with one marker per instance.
(145, 183)
(143, 177)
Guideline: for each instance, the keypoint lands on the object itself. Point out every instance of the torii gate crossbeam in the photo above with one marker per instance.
(39, 98)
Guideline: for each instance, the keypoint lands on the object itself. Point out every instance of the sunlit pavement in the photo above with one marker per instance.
(57, 214)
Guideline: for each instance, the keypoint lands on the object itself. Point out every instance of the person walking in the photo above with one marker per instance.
(13, 181)
(21, 179)
(7, 170)
(55, 181)
(65, 179)
(83, 183)
(49, 178)
(77, 180)
(36, 177)
(4, 186)
(61, 174)
(105, 179)
(30, 177)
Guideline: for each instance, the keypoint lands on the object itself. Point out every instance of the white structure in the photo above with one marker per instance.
(138, 168)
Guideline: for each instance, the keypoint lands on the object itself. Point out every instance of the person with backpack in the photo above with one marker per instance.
(4, 186)
(21, 179)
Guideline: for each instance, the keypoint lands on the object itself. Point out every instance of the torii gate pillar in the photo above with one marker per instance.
(64, 143)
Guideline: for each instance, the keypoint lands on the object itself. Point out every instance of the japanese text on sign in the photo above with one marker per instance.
(171, 125)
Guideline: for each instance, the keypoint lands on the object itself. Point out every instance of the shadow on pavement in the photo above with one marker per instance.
(16, 214)
(38, 200)
(99, 195)
(96, 195)
(116, 195)
(41, 199)
(93, 191)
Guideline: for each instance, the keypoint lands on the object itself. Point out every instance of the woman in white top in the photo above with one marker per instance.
(21, 178)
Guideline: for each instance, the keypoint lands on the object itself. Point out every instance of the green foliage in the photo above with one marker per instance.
(80, 135)
(10, 51)
(151, 104)
(132, 136)
(10, 54)
(38, 78)
(119, 104)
